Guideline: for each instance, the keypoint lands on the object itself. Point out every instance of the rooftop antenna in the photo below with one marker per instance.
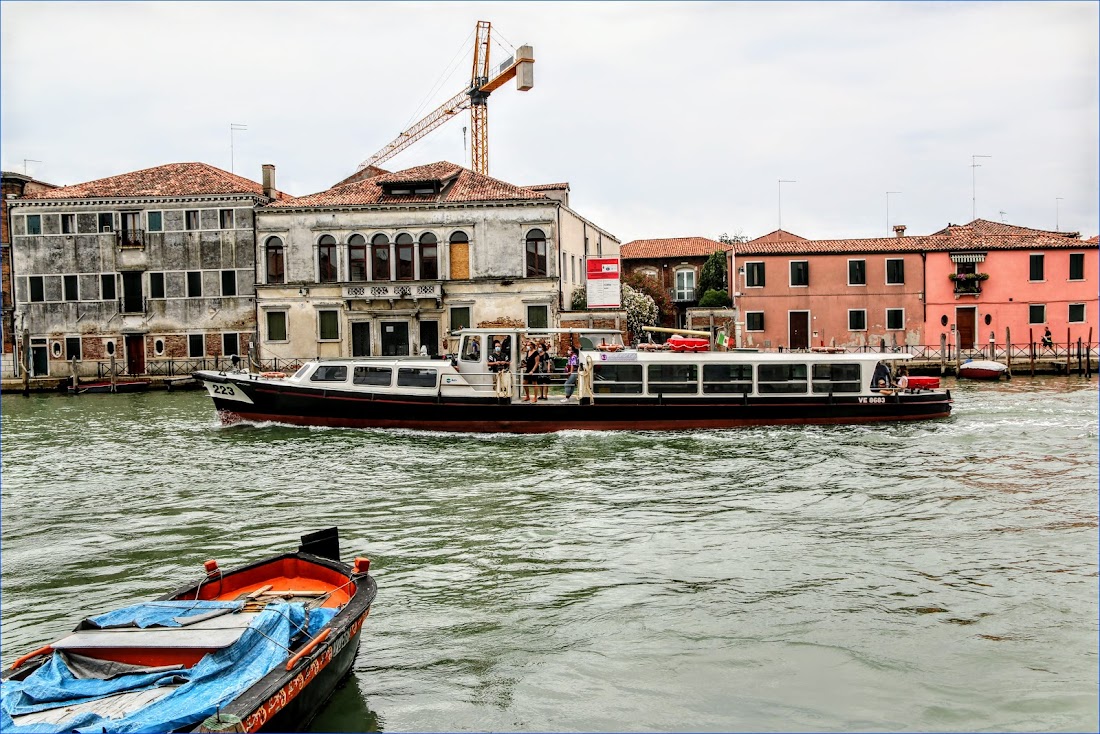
(781, 182)
(1002, 213)
(463, 141)
(1057, 212)
(888, 210)
(233, 127)
(974, 166)
(26, 161)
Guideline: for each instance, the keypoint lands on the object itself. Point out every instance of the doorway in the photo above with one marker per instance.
(40, 358)
(966, 319)
(429, 337)
(395, 338)
(360, 338)
(799, 332)
(135, 354)
(131, 292)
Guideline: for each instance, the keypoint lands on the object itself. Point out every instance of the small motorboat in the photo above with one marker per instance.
(260, 647)
(104, 386)
(982, 369)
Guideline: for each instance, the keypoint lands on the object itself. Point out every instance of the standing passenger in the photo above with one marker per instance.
(530, 367)
(572, 367)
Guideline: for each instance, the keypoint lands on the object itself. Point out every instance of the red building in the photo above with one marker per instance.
(676, 263)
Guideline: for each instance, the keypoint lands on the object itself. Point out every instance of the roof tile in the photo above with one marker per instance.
(171, 179)
(671, 247)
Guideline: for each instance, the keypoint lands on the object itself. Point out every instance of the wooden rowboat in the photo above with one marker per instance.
(982, 369)
(260, 647)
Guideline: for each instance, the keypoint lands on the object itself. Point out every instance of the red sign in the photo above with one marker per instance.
(603, 282)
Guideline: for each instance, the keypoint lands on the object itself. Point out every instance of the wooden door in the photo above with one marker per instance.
(460, 261)
(135, 354)
(360, 339)
(965, 318)
(799, 322)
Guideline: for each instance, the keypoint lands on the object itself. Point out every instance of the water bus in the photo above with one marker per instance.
(618, 388)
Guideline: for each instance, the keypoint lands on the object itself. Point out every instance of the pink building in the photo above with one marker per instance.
(980, 278)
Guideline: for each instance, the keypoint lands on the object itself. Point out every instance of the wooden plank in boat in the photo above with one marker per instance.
(114, 707)
(213, 633)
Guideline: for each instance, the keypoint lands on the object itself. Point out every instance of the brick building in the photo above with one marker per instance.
(676, 263)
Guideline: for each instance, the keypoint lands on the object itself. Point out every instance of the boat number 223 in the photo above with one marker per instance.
(223, 389)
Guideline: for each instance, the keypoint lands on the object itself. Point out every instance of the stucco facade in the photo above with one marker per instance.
(15, 185)
(150, 267)
(397, 262)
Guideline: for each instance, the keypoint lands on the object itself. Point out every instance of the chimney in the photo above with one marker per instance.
(269, 181)
(899, 230)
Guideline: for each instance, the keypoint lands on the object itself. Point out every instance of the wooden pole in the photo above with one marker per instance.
(1067, 351)
(1088, 357)
(958, 352)
(1031, 348)
(1008, 352)
(26, 363)
(72, 372)
(1080, 367)
(943, 354)
(112, 373)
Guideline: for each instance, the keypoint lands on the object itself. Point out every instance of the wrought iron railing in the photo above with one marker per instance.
(131, 238)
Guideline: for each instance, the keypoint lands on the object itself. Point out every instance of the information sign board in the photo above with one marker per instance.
(603, 282)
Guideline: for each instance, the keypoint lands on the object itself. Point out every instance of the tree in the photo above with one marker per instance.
(726, 239)
(714, 299)
(713, 276)
(666, 313)
(640, 311)
(579, 299)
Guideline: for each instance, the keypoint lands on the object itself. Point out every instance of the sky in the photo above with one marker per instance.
(666, 119)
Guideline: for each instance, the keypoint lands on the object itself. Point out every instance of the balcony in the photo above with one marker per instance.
(393, 291)
(130, 239)
(968, 284)
(682, 295)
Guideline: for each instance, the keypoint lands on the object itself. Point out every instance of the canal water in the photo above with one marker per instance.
(937, 576)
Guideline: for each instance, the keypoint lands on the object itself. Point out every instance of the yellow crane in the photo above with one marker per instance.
(475, 97)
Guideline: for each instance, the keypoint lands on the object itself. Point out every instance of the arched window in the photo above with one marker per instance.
(326, 259)
(536, 253)
(460, 237)
(459, 256)
(357, 257)
(429, 256)
(404, 244)
(380, 256)
(274, 259)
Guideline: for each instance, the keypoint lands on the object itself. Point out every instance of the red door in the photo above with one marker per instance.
(135, 354)
(799, 329)
(965, 318)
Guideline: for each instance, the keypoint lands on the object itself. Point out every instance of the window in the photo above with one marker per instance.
(536, 253)
(106, 222)
(328, 325)
(673, 378)
(380, 257)
(1077, 266)
(330, 373)
(727, 378)
(107, 286)
(460, 318)
(276, 326)
(829, 378)
(274, 257)
(326, 259)
(194, 284)
(781, 378)
(196, 346)
(225, 218)
(155, 221)
(158, 347)
(857, 319)
(616, 378)
(1037, 313)
(229, 282)
(230, 345)
(1036, 269)
(405, 268)
(378, 376)
(156, 285)
(1076, 313)
(357, 258)
(800, 272)
(37, 288)
(429, 256)
(573, 268)
(72, 347)
(754, 275)
(857, 272)
(191, 219)
(68, 223)
(537, 317)
(416, 377)
(71, 292)
(34, 224)
(895, 319)
(685, 285)
(895, 271)
(754, 321)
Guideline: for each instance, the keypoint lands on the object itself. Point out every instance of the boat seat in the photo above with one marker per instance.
(209, 634)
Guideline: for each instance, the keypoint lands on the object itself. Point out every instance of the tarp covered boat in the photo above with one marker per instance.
(982, 369)
(255, 648)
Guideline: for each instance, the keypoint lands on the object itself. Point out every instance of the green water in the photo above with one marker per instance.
(936, 576)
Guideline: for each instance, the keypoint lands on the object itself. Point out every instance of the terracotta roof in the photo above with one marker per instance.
(671, 247)
(459, 185)
(171, 179)
(550, 186)
(957, 239)
(1094, 240)
(362, 174)
(986, 227)
(779, 235)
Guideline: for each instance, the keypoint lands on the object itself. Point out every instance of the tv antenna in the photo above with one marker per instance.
(233, 127)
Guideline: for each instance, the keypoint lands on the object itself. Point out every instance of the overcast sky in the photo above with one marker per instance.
(667, 120)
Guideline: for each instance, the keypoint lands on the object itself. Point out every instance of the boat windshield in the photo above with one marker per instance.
(301, 371)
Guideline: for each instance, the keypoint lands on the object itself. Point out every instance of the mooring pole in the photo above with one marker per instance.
(943, 354)
(1068, 345)
(26, 363)
(1008, 352)
(1088, 357)
(1080, 367)
(1031, 348)
(112, 373)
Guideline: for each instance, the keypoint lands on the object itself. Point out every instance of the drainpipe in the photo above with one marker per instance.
(924, 287)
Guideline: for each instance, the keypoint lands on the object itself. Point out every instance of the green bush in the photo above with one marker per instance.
(714, 299)
(579, 299)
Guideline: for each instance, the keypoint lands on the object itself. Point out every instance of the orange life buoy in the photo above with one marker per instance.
(273, 375)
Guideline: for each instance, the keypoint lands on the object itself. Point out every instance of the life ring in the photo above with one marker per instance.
(273, 375)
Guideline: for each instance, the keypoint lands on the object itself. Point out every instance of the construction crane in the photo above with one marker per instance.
(475, 97)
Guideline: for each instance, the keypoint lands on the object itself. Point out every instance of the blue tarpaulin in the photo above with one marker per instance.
(160, 613)
(213, 682)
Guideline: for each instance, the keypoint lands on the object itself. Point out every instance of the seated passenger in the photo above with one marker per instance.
(881, 378)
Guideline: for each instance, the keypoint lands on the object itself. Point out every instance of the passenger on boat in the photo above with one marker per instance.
(572, 367)
(530, 369)
(903, 379)
(546, 366)
(880, 382)
(473, 349)
(498, 362)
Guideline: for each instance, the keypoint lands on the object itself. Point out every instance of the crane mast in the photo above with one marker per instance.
(475, 97)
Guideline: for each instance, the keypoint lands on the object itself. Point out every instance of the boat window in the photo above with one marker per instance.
(416, 377)
(372, 376)
(617, 378)
(330, 373)
(727, 378)
(836, 378)
(781, 378)
(673, 378)
(586, 343)
(302, 370)
(471, 348)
